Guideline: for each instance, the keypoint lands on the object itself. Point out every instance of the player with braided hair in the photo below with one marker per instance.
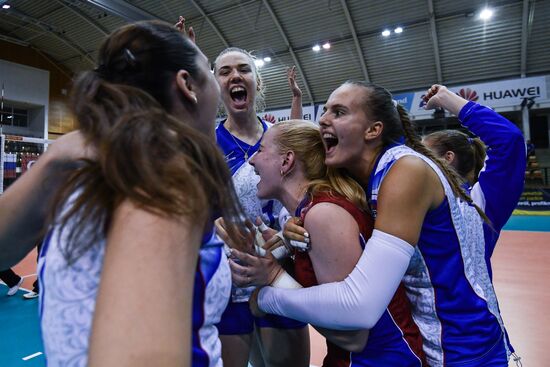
(427, 234)
(496, 181)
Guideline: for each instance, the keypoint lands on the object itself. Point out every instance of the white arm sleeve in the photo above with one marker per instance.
(358, 301)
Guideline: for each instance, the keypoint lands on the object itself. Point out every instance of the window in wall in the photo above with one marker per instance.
(14, 116)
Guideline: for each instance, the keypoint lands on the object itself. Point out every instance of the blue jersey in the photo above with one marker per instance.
(244, 177)
(210, 297)
(500, 182)
(238, 320)
(448, 283)
(68, 296)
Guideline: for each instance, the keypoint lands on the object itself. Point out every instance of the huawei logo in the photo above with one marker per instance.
(468, 94)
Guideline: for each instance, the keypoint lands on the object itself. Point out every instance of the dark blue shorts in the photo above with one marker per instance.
(237, 319)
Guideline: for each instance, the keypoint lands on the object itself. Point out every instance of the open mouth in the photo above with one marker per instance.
(257, 174)
(331, 141)
(238, 95)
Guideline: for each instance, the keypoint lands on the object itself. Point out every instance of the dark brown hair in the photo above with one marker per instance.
(144, 154)
(469, 152)
(379, 106)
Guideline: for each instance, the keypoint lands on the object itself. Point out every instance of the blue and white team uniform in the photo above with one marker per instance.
(237, 318)
(68, 296)
(448, 282)
(500, 182)
(244, 177)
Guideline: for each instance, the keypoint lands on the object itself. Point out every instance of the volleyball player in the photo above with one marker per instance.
(282, 341)
(131, 272)
(495, 182)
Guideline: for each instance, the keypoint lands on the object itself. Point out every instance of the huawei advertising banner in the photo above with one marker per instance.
(308, 113)
(404, 99)
(502, 94)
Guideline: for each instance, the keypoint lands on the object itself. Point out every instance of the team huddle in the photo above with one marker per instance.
(170, 240)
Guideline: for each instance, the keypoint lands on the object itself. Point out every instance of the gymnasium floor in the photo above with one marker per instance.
(521, 275)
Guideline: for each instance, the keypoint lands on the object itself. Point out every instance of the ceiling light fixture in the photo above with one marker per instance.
(386, 32)
(259, 63)
(316, 48)
(6, 6)
(267, 59)
(486, 14)
(398, 30)
(326, 46)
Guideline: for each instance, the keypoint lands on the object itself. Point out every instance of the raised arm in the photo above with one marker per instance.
(408, 191)
(25, 204)
(133, 327)
(296, 106)
(501, 181)
(180, 25)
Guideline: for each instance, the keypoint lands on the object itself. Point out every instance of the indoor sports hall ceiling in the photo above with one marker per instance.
(442, 41)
